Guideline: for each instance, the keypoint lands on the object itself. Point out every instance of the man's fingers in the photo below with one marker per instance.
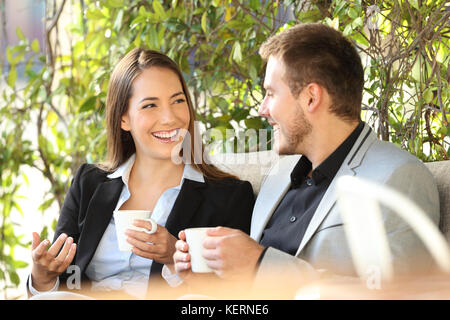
(179, 256)
(219, 231)
(211, 242)
(210, 254)
(54, 249)
(180, 245)
(181, 267)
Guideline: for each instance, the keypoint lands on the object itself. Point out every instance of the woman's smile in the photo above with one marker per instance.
(166, 136)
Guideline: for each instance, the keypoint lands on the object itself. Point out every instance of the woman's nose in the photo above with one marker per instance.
(167, 115)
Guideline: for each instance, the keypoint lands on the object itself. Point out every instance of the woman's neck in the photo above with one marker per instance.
(161, 172)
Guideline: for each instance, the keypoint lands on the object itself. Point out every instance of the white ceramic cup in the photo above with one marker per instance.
(194, 239)
(124, 219)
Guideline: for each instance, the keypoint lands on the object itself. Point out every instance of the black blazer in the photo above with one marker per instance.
(92, 197)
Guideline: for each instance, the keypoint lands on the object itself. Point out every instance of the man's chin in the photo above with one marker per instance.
(282, 149)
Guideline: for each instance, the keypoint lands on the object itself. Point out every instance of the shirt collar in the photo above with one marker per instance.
(124, 170)
(330, 166)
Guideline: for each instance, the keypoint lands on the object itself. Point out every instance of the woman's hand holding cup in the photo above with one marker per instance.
(48, 264)
(158, 245)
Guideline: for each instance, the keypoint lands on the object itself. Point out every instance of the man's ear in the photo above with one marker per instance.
(125, 122)
(313, 93)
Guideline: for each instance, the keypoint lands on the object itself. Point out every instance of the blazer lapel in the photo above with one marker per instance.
(271, 193)
(352, 161)
(185, 206)
(98, 216)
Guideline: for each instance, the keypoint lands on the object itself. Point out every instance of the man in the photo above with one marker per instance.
(314, 82)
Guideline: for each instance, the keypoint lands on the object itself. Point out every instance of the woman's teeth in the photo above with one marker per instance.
(166, 134)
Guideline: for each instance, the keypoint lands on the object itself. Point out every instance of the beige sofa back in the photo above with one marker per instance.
(254, 166)
(441, 173)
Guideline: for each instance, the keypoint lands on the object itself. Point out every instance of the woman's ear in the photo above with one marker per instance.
(125, 122)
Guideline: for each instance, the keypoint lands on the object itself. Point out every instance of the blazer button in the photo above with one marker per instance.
(292, 219)
(309, 182)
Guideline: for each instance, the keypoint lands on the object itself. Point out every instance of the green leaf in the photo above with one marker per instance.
(237, 54)
(20, 34)
(116, 3)
(254, 123)
(428, 95)
(44, 206)
(414, 3)
(88, 105)
(348, 30)
(352, 13)
(18, 264)
(14, 277)
(35, 46)
(357, 23)
(12, 76)
(159, 10)
(204, 22)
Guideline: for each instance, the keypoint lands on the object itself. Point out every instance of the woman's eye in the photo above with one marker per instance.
(179, 100)
(150, 105)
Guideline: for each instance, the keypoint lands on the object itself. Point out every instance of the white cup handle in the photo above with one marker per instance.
(154, 226)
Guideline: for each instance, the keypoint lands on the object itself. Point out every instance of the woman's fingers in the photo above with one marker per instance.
(143, 246)
(65, 250)
(40, 250)
(69, 257)
(54, 249)
(141, 235)
(36, 240)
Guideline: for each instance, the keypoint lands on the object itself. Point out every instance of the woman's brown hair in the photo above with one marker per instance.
(120, 143)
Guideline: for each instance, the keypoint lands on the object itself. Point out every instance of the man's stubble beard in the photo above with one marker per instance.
(295, 134)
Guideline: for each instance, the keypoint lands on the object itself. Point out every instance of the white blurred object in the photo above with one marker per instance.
(359, 202)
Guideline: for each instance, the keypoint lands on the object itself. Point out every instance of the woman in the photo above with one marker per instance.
(149, 113)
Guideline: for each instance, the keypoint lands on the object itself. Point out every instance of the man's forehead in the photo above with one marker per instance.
(274, 71)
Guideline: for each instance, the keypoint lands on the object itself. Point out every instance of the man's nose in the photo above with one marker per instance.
(263, 111)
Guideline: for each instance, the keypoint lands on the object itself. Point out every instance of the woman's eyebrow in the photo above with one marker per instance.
(156, 98)
(176, 94)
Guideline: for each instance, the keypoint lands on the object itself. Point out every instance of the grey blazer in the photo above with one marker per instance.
(324, 245)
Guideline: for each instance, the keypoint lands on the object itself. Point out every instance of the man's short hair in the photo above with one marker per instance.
(314, 52)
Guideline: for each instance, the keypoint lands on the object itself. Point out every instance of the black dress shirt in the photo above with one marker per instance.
(287, 226)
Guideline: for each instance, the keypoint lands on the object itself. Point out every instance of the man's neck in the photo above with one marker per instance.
(326, 138)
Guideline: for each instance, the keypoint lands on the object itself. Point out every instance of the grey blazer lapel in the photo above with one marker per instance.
(353, 160)
(272, 191)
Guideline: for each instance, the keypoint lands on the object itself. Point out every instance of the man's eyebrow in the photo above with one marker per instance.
(156, 98)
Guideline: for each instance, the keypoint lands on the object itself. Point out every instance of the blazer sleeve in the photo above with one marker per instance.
(68, 218)
(69, 215)
(240, 207)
